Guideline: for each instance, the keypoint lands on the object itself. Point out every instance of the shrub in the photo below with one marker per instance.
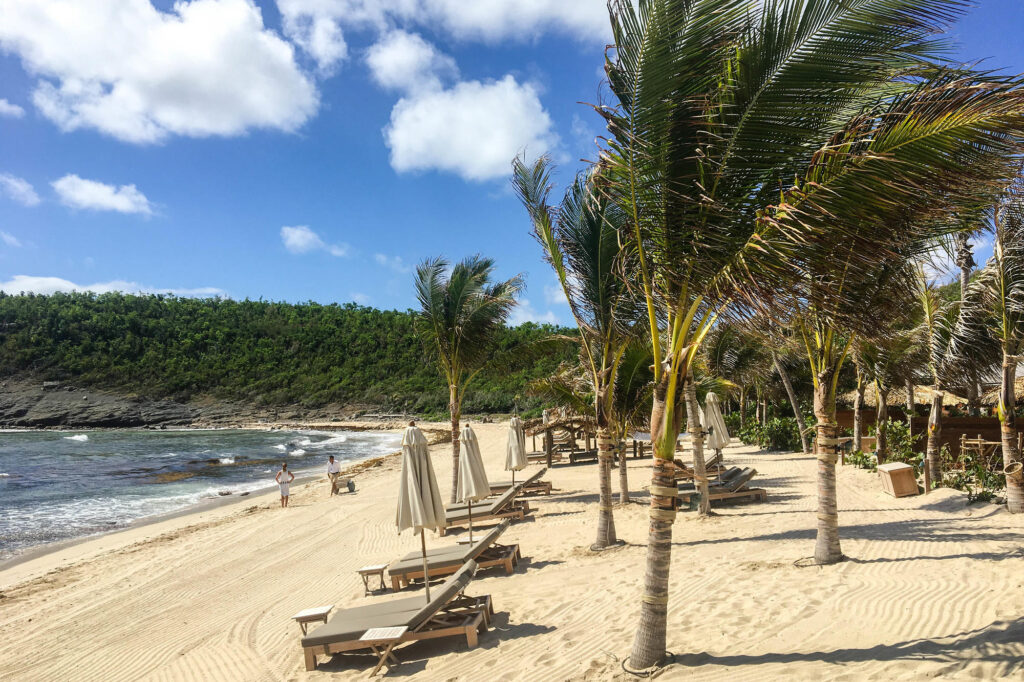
(969, 474)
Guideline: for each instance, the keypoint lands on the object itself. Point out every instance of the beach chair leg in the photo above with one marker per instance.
(396, 583)
(471, 635)
(310, 658)
(385, 656)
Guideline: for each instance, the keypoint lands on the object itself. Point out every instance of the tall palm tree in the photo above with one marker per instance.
(460, 314)
(580, 241)
(995, 303)
(716, 104)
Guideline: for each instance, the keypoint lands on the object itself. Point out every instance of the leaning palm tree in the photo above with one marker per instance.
(995, 304)
(715, 105)
(461, 313)
(580, 241)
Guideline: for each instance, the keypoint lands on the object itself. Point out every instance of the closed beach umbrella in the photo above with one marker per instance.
(419, 500)
(515, 451)
(472, 482)
(719, 436)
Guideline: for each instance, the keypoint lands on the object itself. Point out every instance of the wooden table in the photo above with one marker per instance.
(382, 641)
(367, 572)
(309, 615)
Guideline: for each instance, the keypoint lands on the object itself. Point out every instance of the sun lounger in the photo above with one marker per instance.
(447, 560)
(503, 507)
(540, 456)
(530, 486)
(733, 486)
(448, 614)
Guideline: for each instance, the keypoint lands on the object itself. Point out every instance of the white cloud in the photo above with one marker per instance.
(554, 295)
(78, 192)
(9, 239)
(524, 312)
(487, 20)
(50, 285)
(473, 129)
(406, 62)
(10, 109)
(360, 298)
(392, 262)
(18, 189)
(301, 239)
(207, 67)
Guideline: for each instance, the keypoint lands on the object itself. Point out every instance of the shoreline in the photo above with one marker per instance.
(208, 504)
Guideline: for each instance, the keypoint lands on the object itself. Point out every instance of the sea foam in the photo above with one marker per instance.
(81, 438)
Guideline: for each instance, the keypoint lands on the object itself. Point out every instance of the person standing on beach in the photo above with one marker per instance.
(333, 470)
(283, 478)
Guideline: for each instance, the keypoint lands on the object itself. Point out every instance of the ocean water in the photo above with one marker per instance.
(63, 485)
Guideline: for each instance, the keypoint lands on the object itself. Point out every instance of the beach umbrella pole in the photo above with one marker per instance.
(470, 502)
(423, 548)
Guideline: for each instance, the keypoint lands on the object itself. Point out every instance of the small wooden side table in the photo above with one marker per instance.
(310, 615)
(382, 642)
(367, 572)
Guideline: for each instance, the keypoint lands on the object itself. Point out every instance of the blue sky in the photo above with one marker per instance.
(300, 149)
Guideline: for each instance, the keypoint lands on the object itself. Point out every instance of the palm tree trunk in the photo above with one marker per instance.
(649, 643)
(827, 549)
(454, 410)
(881, 424)
(743, 406)
(910, 407)
(623, 474)
(700, 470)
(1008, 427)
(784, 375)
(858, 414)
(934, 437)
(605, 518)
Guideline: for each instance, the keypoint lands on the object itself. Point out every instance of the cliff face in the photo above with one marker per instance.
(27, 403)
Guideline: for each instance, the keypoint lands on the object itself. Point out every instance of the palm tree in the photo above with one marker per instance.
(460, 314)
(995, 303)
(716, 104)
(580, 241)
(632, 403)
(890, 360)
(948, 370)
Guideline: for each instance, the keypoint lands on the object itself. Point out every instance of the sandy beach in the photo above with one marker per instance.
(932, 587)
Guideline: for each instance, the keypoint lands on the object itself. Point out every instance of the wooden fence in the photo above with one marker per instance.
(952, 427)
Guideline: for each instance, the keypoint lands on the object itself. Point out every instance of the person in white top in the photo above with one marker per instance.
(333, 469)
(283, 478)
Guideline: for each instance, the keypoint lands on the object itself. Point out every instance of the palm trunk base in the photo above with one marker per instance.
(649, 643)
(605, 520)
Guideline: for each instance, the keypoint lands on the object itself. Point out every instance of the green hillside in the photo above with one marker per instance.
(257, 351)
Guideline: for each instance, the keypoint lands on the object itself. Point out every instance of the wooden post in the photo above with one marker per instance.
(634, 448)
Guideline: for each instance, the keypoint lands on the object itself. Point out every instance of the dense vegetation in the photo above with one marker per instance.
(257, 351)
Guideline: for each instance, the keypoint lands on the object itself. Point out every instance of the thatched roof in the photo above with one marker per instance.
(898, 397)
(574, 422)
(991, 396)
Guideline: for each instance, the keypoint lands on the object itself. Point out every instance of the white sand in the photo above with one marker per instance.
(933, 588)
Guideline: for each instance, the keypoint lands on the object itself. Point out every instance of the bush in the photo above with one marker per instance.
(778, 433)
(901, 444)
(732, 422)
(969, 474)
(862, 460)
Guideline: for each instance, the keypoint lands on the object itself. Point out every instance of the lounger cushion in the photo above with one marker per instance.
(445, 557)
(350, 624)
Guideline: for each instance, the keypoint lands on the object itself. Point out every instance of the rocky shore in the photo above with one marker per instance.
(32, 403)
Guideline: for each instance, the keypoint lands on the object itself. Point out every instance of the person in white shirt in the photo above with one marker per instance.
(333, 469)
(283, 478)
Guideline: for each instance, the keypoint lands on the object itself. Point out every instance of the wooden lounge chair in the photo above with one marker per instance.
(443, 561)
(712, 466)
(530, 486)
(733, 486)
(448, 614)
(503, 507)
